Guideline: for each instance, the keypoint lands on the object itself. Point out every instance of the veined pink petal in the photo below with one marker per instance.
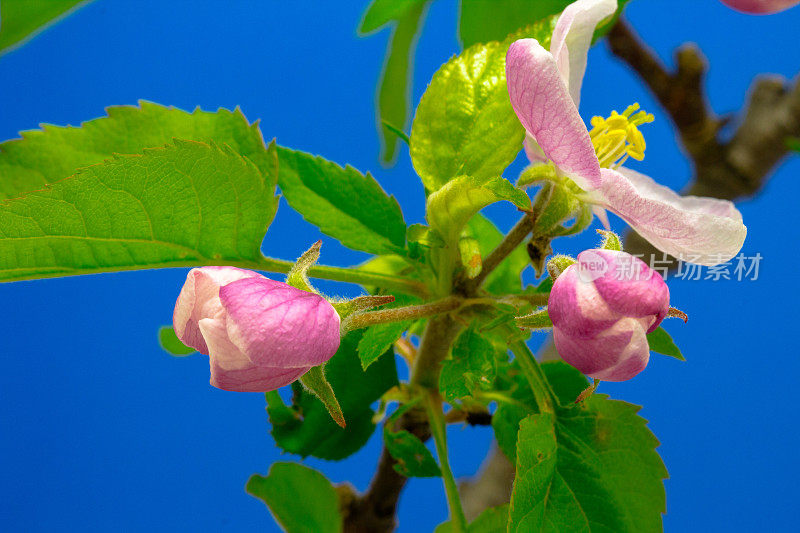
(277, 325)
(199, 298)
(533, 150)
(543, 104)
(232, 370)
(760, 7)
(705, 231)
(572, 38)
(616, 354)
(629, 287)
(576, 307)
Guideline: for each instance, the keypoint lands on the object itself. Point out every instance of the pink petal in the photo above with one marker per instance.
(274, 324)
(232, 370)
(617, 354)
(576, 308)
(629, 287)
(572, 38)
(705, 231)
(760, 7)
(543, 104)
(533, 150)
(199, 298)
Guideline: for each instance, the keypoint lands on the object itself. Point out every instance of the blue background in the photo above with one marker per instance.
(100, 430)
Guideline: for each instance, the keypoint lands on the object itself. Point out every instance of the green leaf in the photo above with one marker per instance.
(414, 459)
(592, 467)
(661, 342)
(491, 520)
(508, 415)
(301, 499)
(482, 21)
(342, 202)
(451, 207)
(471, 366)
(22, 20)
(464, 124)
(186, 204)
(394, 87)
(171, 344)
(505, 279)
(306, 428)
(48, 155)
(379, 339)
(382, 12)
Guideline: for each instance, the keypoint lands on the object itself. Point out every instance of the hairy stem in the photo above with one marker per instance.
(433, 406)
(347, 275)
(369, 318)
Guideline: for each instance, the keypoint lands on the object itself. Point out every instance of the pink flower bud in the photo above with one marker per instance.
(760, 7)
(602, 308)
(259, 334)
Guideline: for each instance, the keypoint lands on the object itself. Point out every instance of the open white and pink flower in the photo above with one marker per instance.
(544, 88)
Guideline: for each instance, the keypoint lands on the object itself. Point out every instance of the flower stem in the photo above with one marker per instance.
(347, 275)
(433, 406)
(369, 318)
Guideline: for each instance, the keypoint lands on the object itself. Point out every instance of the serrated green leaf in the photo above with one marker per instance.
(592, 467)
(185, 204)
(661, 342)
(306, 428)
(505, 279)
(394, 87)
(342, 202)
(413, 458)
(491, 520)
(48, 155)
(481, 21)
(378, 339)
(464, 124)
(450, 208)
(301, 499)
(471, 366)
(171, 344)
(21, 20)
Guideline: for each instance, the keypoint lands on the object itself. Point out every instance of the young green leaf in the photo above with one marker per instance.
(464, 124)
(379, 339)
(23, 19)
(171, 344)
(301, 499)
(182, 205)
(414, 459)
(661, 342)
(450, 208)
(306, 428)
(381, 12)
(394, 87)
(471, 367)
(587, 468)
(342, 202)
(48, 155)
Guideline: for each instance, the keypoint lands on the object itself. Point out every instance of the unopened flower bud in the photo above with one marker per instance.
(602, 309)
(760, 7)
(259, 334)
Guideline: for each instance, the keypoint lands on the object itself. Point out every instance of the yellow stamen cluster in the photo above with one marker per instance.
(618, 137)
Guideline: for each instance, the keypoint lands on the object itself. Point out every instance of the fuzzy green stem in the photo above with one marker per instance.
(440, 332)
(433, 406)
(369, 318)
(347, 275)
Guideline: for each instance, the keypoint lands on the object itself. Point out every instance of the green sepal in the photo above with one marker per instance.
(558, 264)
(171, 344)
(661, 342)
(314, 380)
(611, 240)
(298, 275)
(536, 320)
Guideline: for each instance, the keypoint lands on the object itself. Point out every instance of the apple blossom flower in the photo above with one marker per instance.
(259, 334)
(760, 7)
(544, 88)
(602, 308)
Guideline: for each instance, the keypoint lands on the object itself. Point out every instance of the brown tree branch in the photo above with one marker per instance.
(730, 168)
